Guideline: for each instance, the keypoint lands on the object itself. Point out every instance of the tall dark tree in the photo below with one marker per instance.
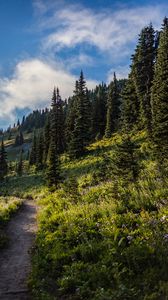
(19, 140)
(143, 71)
(53, 169)
(160, 94)
(57, 121)
(125, 163)
(3, 161)
(46, 138)
(130, 106)
(33, 151)
(99, 110)
(113, 108)
(18, 123)
(19, 168)
(56, 140)
(40, 151)
(70, 120)
(82, 123)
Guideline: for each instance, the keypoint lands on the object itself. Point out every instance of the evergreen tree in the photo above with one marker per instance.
(19, 140)
(160, 94)
(143, 71)
(70, 120)
(57, 121)
(33, 151)
(20, 164)
(40, 151)
(56, 141)
(3, 161)
(130, 106)
(113, 108)
(82, 122)
(46, 138)
(18, 123)
(125, 161)
(99, 110)
(53, 168)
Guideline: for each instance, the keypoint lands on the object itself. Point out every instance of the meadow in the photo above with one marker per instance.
(101, 236)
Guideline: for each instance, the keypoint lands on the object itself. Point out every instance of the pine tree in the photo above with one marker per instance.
(20, 164)
(33, 151)
(99, 110)
(160, 95)
(18, 123)
(19, 140)
(143, 71)
(40, 151)
(130, 106)
(82, 122)
(56, 141)
(57, 121)
(46, 138)
(3, 161)
(125, 161)
(113, 108)
(70, 120)
(53, 168)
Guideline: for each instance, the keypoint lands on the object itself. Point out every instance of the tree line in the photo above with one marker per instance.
(140, 102)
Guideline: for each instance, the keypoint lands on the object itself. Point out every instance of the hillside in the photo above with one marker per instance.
(100, 237)
(95, 166)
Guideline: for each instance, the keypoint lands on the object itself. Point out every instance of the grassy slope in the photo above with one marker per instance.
(15, 189)
(102, 240)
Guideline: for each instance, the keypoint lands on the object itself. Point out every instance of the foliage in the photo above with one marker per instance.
(103, 240)
(159, 95)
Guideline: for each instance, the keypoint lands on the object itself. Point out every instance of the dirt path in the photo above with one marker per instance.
(15, 263)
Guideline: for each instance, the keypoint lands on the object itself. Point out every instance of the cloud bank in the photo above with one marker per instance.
(88, 36)
(32, 84)
(109, 31)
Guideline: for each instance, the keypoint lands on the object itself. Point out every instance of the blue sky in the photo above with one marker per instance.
(47, 42)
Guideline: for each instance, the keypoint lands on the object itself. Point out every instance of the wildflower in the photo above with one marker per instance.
(166, 236)
(163, 218)
(129, 238)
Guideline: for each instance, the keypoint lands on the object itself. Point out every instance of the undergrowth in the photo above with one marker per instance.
(102, 236)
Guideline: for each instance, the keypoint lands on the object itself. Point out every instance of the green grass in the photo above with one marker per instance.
(100, 238)
(8, 206)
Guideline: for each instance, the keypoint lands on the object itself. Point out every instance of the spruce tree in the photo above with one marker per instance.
(130, 106)
(70, 120)
(56, 141)
(40, 151)
(19, 140)
(125, 161)
(159, 98)
(57, 121)
(20, 164)
(99, 110)
(3, 161)
(143, 71)
(82, 122)
(33, 151)
(46, 138)
(53, 168)
(113, 108)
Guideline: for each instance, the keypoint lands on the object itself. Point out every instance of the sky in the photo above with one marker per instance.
(45, 43)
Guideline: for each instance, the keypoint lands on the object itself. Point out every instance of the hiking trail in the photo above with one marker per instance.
(15, 260)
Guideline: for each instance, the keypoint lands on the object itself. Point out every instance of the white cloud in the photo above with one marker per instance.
(111, 31)
(32, 84)
(65, 26)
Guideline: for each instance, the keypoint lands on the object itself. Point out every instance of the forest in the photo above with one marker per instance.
(96, 166)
